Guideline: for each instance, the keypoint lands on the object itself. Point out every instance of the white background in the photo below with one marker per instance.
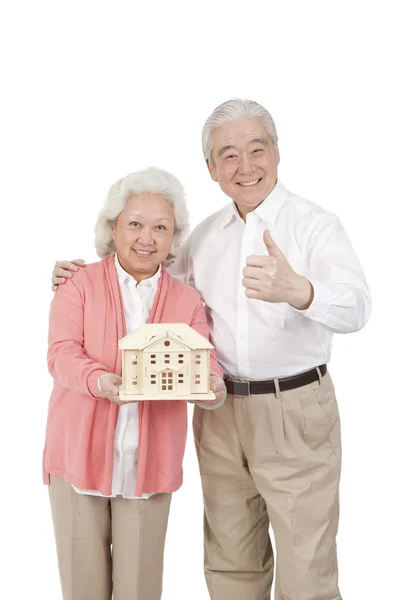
(94, 90)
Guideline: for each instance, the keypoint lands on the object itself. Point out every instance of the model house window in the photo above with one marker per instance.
(153, 379)
(167, 343)
(198, 359)
(153, 359)
(197, 379)
(180, 377)
(180, 359)
(134, 380)
(166, 358)
(166, 381)
(134, 359)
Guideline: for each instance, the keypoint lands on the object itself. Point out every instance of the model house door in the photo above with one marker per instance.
(168, 381)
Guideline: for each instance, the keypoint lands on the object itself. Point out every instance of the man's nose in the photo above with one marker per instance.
(245, 163)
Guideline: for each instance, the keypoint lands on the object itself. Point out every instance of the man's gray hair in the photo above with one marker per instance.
(231, 111)
(149, 181)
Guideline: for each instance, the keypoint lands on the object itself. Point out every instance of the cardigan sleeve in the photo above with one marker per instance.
(67, 360)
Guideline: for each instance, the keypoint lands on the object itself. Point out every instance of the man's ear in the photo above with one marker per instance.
(211, 170)
(277, 154)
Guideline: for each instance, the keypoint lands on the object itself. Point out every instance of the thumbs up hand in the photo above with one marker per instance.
(272, 279)
(270, 245)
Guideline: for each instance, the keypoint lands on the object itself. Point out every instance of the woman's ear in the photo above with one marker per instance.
(168, 261)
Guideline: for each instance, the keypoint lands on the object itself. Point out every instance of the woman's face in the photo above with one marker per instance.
(143, 234)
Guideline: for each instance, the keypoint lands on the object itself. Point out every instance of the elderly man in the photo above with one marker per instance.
(279, 277)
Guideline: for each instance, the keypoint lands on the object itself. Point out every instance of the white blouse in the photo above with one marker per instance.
(138, 299)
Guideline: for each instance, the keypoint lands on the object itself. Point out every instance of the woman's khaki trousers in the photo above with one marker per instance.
(108, 547)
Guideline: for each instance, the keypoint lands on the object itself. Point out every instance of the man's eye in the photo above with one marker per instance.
(134, 224)
(230, 156)
(162, 227)
(258, 150)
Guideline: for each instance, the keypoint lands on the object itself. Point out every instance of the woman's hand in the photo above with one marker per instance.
(219, 389)
(109, 387)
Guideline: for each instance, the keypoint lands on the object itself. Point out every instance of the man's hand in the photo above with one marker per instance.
(109, 387)
(272, 279)
(63, 270)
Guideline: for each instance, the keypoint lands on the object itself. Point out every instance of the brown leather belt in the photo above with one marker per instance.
(240, 387)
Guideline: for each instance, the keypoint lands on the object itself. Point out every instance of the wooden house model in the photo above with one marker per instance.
(162, 361)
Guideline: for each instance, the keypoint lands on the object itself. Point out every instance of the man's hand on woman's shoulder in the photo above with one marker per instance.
(63, 270)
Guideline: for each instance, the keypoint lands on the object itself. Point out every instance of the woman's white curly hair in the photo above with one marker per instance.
(149, 181)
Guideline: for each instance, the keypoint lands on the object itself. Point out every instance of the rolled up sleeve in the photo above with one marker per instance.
(341, 300)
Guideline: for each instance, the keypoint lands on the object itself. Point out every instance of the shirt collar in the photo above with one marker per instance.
(268, 210)
(230, 214)
(123, 276)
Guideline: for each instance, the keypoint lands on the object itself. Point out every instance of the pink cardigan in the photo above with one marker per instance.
(86, 322)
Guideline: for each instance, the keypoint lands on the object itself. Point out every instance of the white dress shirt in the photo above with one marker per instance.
(137, 299)
(260, 340)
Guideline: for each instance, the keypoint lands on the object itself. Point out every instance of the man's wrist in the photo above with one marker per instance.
(303, 294)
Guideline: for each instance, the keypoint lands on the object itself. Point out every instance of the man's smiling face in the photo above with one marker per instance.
(244, 162)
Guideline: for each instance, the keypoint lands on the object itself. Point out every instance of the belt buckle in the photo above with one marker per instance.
(243, 386)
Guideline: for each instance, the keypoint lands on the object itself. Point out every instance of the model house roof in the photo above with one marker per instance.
(149, 333)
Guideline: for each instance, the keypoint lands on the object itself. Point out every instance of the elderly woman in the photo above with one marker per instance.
(112, 466)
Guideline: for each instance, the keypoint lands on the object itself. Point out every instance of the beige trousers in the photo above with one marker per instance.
(86, 527)
(271, 459)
